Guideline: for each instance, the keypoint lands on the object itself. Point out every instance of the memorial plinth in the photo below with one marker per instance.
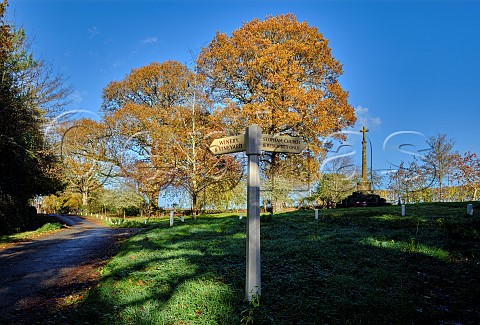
(363, 186)
(362, 199)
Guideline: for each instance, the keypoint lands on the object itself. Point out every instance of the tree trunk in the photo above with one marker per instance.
(152, 201)
(194, 206)
(440, 188)
(85, 198)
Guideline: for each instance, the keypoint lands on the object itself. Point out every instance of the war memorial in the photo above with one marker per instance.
(363, 195)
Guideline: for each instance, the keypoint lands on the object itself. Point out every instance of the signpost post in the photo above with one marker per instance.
(253, 142)
(253, 281)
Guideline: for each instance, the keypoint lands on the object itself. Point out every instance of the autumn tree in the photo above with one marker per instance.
(27, 166)
(410, 181)
(440, 159)
(62, 202)
(162, 127)
(197, 168)
(139, 110)
(83, 146)
(467, 172)
(281, 75)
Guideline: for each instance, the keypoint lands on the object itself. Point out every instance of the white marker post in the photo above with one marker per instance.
(470, 210)
(403, 210)
(316, 214)
(253, 137)
(171, 218)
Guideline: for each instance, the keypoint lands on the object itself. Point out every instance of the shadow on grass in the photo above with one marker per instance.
(371, 266)
(191, 272)
(350, 266)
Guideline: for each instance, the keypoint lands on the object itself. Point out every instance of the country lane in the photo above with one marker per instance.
(42, 270)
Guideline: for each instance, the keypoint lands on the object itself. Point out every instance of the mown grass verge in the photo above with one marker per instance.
(351, 266)
(49, 225)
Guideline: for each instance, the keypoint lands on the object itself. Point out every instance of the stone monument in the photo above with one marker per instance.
(363, 196)
(364, 185)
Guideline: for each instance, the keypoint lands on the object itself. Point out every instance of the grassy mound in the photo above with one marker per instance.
(364, 265)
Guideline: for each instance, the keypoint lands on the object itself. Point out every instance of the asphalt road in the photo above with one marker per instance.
(31, 271)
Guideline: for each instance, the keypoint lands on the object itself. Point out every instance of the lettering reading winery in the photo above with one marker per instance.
(268, 142)
(228, 144)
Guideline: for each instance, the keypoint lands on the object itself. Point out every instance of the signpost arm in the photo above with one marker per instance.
(253, 136)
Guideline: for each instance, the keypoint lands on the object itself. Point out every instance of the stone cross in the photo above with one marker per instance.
(364, 185)
(364, 154)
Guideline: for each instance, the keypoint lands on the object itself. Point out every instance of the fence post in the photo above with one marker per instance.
(470, 209)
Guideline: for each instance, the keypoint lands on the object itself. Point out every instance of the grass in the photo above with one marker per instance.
(351, 266)
(49, 226)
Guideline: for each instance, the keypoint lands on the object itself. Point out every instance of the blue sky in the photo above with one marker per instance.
(411, 67)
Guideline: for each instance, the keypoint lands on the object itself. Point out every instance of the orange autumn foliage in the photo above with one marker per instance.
(83, 147)
(162, 128)
(279, 74)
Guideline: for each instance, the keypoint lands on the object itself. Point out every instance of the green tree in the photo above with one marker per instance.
(337, 181)
(123, 200)
(27, 166)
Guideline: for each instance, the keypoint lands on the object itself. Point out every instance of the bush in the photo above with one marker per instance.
(122, 223)
(50, 227)
(132, 211)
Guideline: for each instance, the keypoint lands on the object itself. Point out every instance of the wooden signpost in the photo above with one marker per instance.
(272, 143)
(282, 143)
(254, 142)
(228, 145)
